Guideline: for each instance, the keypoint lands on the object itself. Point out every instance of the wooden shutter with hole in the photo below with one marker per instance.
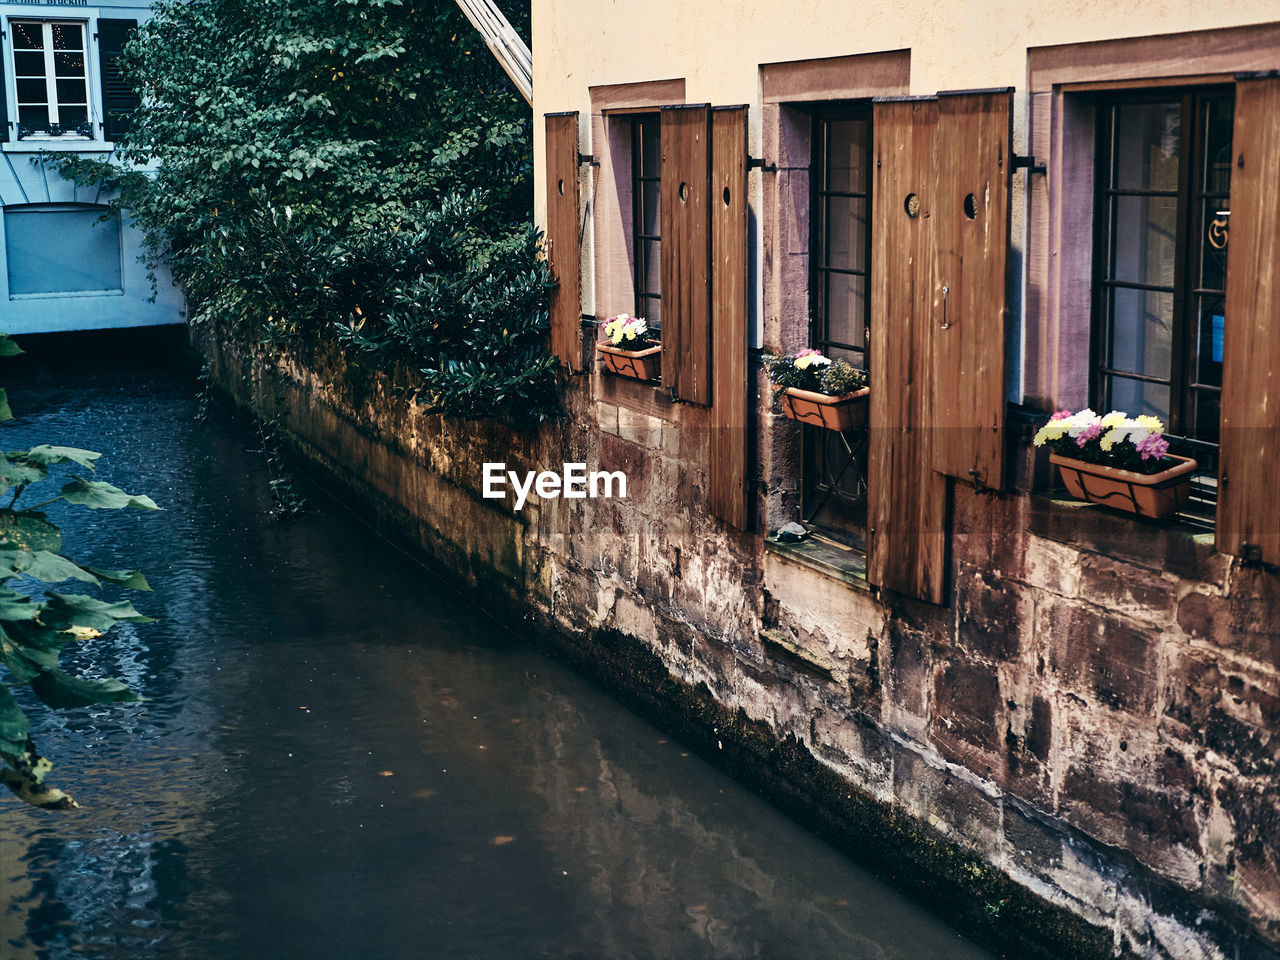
(907, 505)
(118, 99)
(728, 199)
(970, 227)
(563, 238)
(1248, 521)
(686, 252)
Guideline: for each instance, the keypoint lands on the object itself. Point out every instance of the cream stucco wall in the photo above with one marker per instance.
(718, 48)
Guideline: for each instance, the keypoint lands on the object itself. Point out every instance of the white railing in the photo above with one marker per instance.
(504, 43)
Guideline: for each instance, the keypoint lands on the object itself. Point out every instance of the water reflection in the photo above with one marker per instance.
(339, 758)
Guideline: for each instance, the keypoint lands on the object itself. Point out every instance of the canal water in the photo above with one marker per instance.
(339, 757)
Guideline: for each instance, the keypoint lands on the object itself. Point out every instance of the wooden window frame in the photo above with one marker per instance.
(640, 270)
(50, 78)
(1184, 347)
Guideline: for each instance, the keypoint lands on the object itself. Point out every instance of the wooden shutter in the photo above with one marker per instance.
(118, 99)
(686, 252)
(970, 224)
(728, 199)
(564, 242)
(1248, 519)
(907, 499)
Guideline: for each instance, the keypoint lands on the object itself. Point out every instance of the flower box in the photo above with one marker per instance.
(834, 413)
(1153, 495)
(638, 364)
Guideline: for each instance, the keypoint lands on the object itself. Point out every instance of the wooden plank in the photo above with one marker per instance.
(730, 387)
(970, 223)
(906, 500)
(1248, 521)
(564, 241)
(686, 252)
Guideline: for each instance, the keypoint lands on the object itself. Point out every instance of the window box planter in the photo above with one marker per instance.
(643, 364)
(1152, 495)
(845, 412)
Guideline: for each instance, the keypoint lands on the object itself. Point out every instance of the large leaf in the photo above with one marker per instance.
(28, 531)
(47, 454)
(14, 728)
(7, 347)
(20, 665)
(125, 578)
(19, 473)
(5, 412)
(45, 565)
(17, 606)
(62, 691)
(100, 495)
(76, 610)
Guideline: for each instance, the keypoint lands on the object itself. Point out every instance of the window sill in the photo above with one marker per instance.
(1174, 545)
(827, 558)
(57, 146)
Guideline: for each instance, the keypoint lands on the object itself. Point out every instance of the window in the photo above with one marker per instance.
(51, 79)
(646, 229)
(1161, 216)
(55, 249)
(840, 310)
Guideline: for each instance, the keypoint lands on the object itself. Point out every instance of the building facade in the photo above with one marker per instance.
(999, 210)
(66, 267)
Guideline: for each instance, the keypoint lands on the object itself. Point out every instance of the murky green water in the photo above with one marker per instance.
(341, 758)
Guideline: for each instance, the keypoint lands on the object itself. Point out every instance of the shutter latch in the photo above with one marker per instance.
(1028, 163)
(753, 162)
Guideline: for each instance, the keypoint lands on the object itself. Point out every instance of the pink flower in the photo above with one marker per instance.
(809, 353)
(1088, 433)
(1061, 415)
(1153, 446)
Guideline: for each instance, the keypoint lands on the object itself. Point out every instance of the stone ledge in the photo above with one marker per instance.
(1164, 545)
(830, 559)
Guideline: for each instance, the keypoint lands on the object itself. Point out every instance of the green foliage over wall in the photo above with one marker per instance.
(364, 166)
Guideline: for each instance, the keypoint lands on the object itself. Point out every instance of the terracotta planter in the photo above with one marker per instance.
(638, 364)
(844, 412)
(1148, 495)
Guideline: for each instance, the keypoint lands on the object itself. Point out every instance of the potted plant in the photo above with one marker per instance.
(815, 389)
(1118, 461)
(629, 350)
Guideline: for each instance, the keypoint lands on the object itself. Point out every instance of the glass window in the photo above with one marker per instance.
(840, 311)
(646, 240)
(51, 79)
(61, 248)
(1163, 185)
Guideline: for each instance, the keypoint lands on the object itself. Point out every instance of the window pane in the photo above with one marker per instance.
(847, 156)
(1211, 316)
(67, 36)
(846, 309)
(28, 64)
(1219, 120)
(32, 91)
(70, 117)
(1148, 138)
(651, 266)
(1136, 398)
(1145, 240)
(1213, 244)
(652, 208)
(650, 308)
(28, 36)
(1208, 416)
(61, 251)
(650, 148)
(70, 92)
(35, 118)
(846, 233)
(1141, 325)
(68, 64)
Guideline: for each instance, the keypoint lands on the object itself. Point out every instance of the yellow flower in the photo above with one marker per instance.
(617, 337)
(1112, 419)
(1052, 430)
(804, 362)
(1110, 437)
(1150, 422)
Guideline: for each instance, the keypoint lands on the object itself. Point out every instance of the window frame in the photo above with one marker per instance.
(87, 18)
(640, 266)
(1183, 382)
(51, 102)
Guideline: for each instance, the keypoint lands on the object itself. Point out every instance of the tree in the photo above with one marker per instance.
(361, 168)
(35, 631)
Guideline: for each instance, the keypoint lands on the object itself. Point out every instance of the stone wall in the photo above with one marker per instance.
(1078, 752)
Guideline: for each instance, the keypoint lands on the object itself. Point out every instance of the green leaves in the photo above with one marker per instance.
(99, 495)
(14, 728)
(28, 530)
(62, 691)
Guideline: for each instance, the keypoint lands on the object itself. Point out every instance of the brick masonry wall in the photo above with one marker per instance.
(1089, 729)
